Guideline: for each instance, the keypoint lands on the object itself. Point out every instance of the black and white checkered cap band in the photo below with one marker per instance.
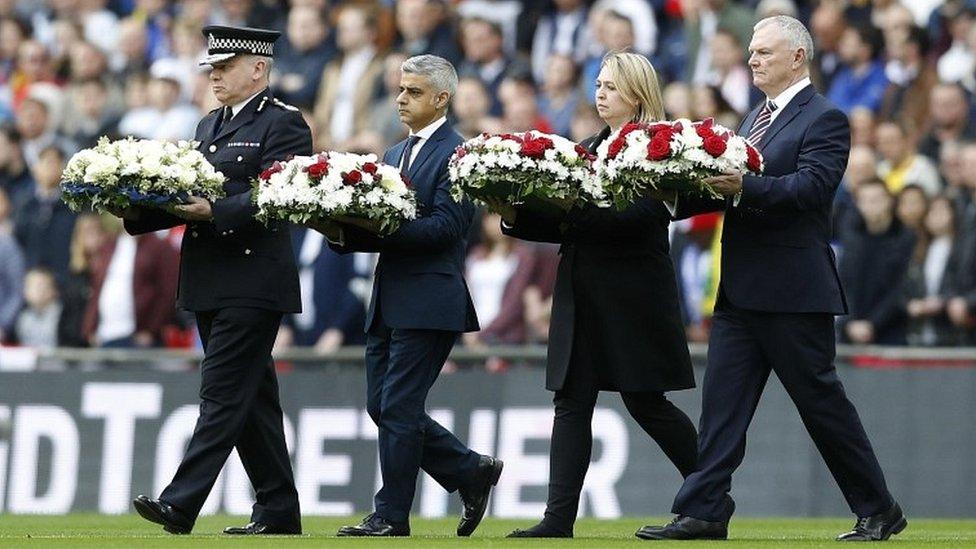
(239, 45)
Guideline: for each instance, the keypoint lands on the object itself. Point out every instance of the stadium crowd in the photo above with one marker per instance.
(74, 70)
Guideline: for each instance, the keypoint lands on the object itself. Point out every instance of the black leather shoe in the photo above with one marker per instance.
(877, 527)
(160, 512)
(262, 529)
(540, 530)
(375, 525)
(684, 527)
(474, 498)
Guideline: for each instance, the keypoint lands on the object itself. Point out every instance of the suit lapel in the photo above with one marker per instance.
(591, 144)
(789, 113)
(427, 148)
(205, 133)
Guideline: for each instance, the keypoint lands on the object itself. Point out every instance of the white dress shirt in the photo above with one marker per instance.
(424, 136)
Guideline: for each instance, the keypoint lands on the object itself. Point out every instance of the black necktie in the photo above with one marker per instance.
(225, 117)
(762, 123)
(407, 153)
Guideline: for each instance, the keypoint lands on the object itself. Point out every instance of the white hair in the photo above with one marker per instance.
(793, 29)
(438, 70)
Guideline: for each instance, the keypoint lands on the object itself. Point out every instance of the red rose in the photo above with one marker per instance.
(629, 127)
(460, 152)
(275, 168)
(753, 159)
(352, 178)
(616, 146)
(581, 150)
(704, 131)
(318, 170)
(369, 168)
(658, 148)
(653, 129)
(534, 148)
(714, 145)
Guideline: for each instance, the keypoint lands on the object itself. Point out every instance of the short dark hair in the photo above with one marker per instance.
(920, 38)
(494, 26)
(870, 36)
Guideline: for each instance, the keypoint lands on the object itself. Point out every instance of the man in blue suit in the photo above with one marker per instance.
(778, 295)
(420, 306)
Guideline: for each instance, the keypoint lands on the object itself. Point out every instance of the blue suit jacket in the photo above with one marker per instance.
(419, 282)
(776, 254)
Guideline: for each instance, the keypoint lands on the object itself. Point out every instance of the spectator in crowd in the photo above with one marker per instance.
(957, 63)
(862, 127)
(640, 15)
(537, 297)
(911, 207)
(100, 25)
(11, 270)
(703, 23)
(827, 25)
(901, 164)
(470, 107)
(928, 280)
(189, 47)
(677, 101)
(134, 281)
(861, 167)
(950, 118)
(520, 109)
(13, 33)
(615, 32)
(424, 27)
(503, 13)
(694, 265)
(729, 71)
(498, 271)
(383, 125)
(485, 59)
(559, 95)
(36, 121)
(586, 122)
(877, 251)
(861, 81)
(94, 117)
(15, 178)
(166, 116)
(961, 306)
(130, 57)
(67, 34)
(910, 81)
(331, 315)
(303, 55)
(33, 66)
(87, 62)
(87, 241)
(707, 102)
(561, 30)
(951, 172)
(349, 82)
(37, 324)
(44, 223)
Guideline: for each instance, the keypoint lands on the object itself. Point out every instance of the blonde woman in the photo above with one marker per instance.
(615, 322)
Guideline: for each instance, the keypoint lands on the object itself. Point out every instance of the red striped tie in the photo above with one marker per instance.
(761, 124)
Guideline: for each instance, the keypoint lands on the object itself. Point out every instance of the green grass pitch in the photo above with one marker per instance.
(130, 531)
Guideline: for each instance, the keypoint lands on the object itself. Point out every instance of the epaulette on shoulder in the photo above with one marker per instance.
(279, 103)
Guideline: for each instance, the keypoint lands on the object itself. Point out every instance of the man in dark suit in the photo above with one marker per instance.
(778, 295)
(419, 307)
(238, 276)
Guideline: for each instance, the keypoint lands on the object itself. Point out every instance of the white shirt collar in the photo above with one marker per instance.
(235, 109)
(429, 130)
(787, 95)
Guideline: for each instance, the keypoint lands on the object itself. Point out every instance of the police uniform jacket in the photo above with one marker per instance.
(234, 260)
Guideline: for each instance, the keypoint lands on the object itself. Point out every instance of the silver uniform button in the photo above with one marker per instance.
(213, 148)
(193, 234)
(239, 158)
(247, 251)
(230, 231)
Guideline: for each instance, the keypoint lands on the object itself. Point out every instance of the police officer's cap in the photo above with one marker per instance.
(226, 42)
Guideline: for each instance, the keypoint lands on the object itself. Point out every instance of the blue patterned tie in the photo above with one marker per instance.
(407, 153)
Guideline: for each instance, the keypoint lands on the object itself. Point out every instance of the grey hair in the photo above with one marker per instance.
(795, 32)
(438, 70)
(268, 61)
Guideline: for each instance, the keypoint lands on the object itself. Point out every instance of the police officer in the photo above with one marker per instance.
(238, 277)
